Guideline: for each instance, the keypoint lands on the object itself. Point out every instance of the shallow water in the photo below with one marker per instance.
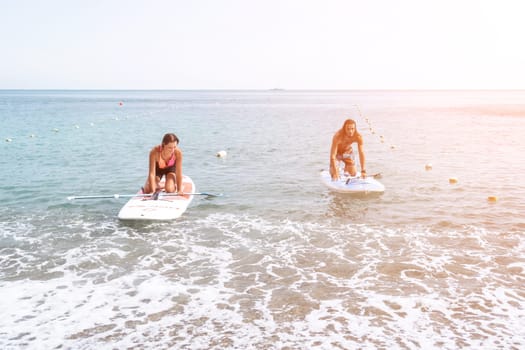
(279, 261)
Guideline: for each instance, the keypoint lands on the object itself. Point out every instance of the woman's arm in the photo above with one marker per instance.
(333, 157)
(178, 171)
(362, 159)
(152, 181)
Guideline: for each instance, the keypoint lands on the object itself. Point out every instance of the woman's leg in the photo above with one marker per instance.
(170, 185)
(148, 188)
(350, 166)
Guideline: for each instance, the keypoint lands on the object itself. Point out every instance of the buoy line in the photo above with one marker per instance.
(370, 127)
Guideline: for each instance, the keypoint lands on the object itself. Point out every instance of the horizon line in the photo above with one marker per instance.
(263, 89)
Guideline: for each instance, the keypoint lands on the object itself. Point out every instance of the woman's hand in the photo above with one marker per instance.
(333, 172)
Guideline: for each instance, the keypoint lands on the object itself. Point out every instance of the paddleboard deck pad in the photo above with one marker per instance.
(165, 206)
(352, 184)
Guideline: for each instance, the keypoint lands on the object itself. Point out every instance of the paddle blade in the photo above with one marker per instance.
(203, 194)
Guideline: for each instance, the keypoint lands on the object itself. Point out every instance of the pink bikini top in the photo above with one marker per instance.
(162, 162)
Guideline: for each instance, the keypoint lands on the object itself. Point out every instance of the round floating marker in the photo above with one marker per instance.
(77, 126)
(428, 166)
(453, 180)
(55, 130)
(392, 147)
(8, 140)
(32, 135)
(492, 199)
(121, 103)
(221, 154)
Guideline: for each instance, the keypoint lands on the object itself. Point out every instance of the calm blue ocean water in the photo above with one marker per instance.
(279, 261)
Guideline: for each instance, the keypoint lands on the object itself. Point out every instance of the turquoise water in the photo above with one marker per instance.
(279, 261)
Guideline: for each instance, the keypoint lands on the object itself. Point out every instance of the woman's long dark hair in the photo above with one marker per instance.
(169, 138)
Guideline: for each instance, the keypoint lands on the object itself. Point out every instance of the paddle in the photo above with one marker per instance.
(375, 176)
(154, 195)
(350, 178)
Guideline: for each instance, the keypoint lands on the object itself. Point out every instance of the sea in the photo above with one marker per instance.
(278, 261)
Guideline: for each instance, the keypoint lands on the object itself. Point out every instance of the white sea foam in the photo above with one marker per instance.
(249, 283)
(243, 282)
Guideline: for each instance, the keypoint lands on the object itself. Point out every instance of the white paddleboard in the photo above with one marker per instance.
(168, 206)
(352, 184)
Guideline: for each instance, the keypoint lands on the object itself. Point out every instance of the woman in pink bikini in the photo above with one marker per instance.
(165, 160)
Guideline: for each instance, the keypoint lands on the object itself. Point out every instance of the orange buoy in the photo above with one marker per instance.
(453, 180)
(492, 199)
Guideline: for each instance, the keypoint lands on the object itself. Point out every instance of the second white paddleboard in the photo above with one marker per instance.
(352, 184)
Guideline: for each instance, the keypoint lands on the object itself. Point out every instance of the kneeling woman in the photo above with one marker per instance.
(165, 160)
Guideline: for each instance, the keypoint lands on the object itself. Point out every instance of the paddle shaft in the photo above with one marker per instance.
(116, 196)
(360, 177)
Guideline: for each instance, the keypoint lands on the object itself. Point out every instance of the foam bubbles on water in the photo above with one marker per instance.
(241, 281)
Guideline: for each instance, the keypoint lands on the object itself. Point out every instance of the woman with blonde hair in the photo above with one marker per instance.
(342, 150)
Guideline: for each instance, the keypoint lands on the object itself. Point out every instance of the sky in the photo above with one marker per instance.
(252, 44)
